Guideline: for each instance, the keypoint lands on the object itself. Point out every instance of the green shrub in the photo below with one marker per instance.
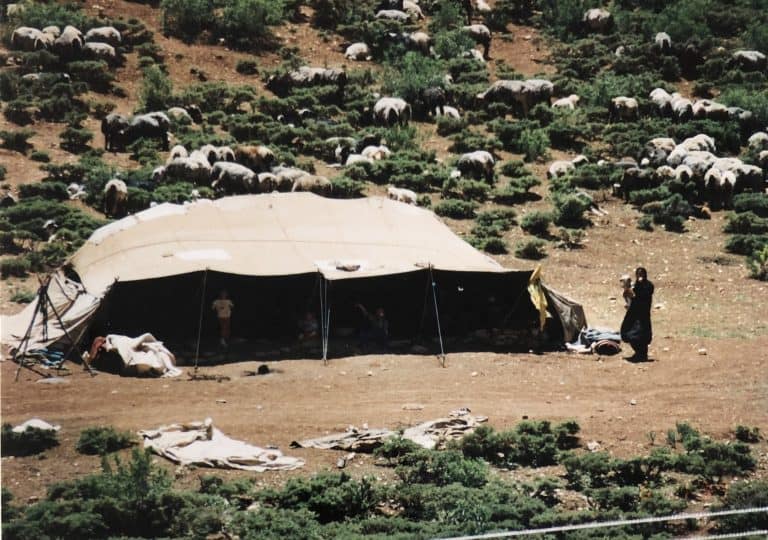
(747, 434)
(186, 19)
(23, 296)
(245, 23)
(29, 442)
(3, 172)
(17, 267)
(536, 223)
(456, 209)
(645, 223)
(103, 440)
(395, 447)
(16, 140)
(746, 244)
(156, 90)
(534, 144)
(473, 190)
(756, 203)
(447, 125)
(531, 249)
(744, 494)
(642, 196)
(55, 191)
(757, 262)
(441, 468)
(97, 74)
(248, 66)
(745, 223)
(570, 208)
(19, 111)
(40, 156)
(75, 140)
(346, 188)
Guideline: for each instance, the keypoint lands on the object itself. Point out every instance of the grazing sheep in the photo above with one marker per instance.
(682, 108)
(683, 173)
(104, 34)
(256, 157)
(481, 34)
(718, 188)
(393, 15)
(356, 158)
(376, 152)
(663, 101)
(287, 176)
(758, 141)
(267, 182)
(101, 51)
(358, 51)
(477, 164)
(158, 174)
(524, 95)
(111, 127)
(180, 113)
(711, 110)
(209, 151)
(76, 191)
(662, 42)
(412, 8)
(566, 102)
(635, 179)
(318, 185)
(623, 108)
(225, 153)
(665, 172)
(392, 110)
(177, 151)
(305, 77)
(233, 178)
(402, 195)
(115, 198)
(25, 38)
(560, 168)
(152, 125)
(449, 112)
(762, 159)
(597, 19)
(657, 150)
(430, 99)
(749, 60)
(195, 168)
(475, 55)
(69, 43)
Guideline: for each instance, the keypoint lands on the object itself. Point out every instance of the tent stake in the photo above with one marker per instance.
(437, 316)
(200, 320)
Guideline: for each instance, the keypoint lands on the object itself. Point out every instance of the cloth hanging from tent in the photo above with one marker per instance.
(538, 297)
(570, 313)
(200, 443)
(74, 305)
(143, 356)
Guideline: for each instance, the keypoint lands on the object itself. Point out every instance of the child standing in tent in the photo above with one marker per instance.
(223, 308)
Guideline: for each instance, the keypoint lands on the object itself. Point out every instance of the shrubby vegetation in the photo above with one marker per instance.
(103, 440)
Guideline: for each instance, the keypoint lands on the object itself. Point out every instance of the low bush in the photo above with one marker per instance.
(23, 296)
(531, 249)
(757, 203)
(473, 190)
(97, 74)
(447, 125)
(75, 140)
(103, 440)
(534, 144)
(346, 188)
(247, 66)
(40, 156)
(245, 23)
(27, 443)
(536, 223)
(569, 210)
(395, 447)
(757, 262)
(441, 469)
(746, 223)
(747, 434)
(746, 244)
(16, 140)
(54, 191)
(456, 209)
(744, 494)
(16, 267)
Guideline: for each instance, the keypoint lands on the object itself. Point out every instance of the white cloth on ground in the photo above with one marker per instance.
(37, 424)
(199, 443)
(144, 354)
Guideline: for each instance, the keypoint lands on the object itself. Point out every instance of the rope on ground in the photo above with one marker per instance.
(614, 523)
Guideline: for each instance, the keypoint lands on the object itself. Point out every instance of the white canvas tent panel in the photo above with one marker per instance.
(275, 234)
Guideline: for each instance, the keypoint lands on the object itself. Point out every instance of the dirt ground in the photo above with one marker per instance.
(710, 349)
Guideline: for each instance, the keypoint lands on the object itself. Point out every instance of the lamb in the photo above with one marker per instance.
(180, 114)
(597, 19)
(412, 8)
(104, 34)
(566, 102)
(392, 110)
(662, 42)
(318, 185)
(76, 191)
(477, 164)
(256, 157)
(115, 198)
(402, 195)
(287, 176)
(358, 51)
(449, 112)
(482, 36)
(623, 108)
(560, 168)
(233, 178)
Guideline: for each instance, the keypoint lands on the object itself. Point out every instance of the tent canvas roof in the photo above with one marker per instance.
(275, 234)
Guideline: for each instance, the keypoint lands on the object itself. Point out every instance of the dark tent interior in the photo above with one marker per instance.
(267, 310)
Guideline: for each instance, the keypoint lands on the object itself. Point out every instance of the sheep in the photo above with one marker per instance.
(195, 168)
(101, 51)
(104, 34)
(662, 42)
(483, 7)
(256, 157)
(475, 55)
(358, 51)
(597, 19)
(665, 172)
(225, 153)
(706, 108)
(758, 141)
(69, 43)
(76, 191)
(477, 164)
(481, 34)
(412, 8)
(682, 108)
(180, 114)
(718, 188)
(429, 99)
(683, 173)
(657, 150)
(402, 195)
(393, 15)
(635, 179)
(307, 76)
(749, 60)
(52, 30)
(111, 126)
(177, 151)
(209, 151)
(449, 112)
(523, 94)
(356, 158)
(115, 198)
(267, 182)
(287, 176)
(560, 168)
(376, 153)
(158, 174)
(699, 161)
(566, 102)
(662, 99)
(25, 38)
(318, 185)
(233, 178)
(392, 110)
(417, 41)
(623, 108)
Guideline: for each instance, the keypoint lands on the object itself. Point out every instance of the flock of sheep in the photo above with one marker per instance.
(69, 44)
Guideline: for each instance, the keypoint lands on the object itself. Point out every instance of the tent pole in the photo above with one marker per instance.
(437, 316)
(325, 319)
(200, 320)
(25, 340)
